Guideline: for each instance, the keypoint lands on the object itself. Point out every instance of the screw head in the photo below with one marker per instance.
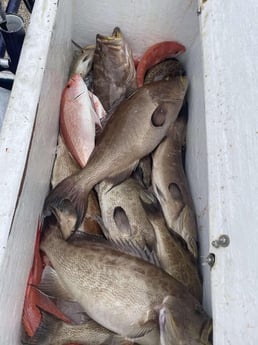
(210, 260)
(224, 240)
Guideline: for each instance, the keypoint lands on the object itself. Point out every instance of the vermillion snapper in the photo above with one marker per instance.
(77, 120)
(133, 131)
(82, 62)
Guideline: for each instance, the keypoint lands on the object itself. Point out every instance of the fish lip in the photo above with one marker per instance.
(114, 38)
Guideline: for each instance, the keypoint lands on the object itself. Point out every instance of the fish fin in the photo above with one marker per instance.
(52, 286)
(46, 329)
(185, 222)
(159, 193)
(142, 172)
(96, 117)
(79, 237)
(122, 175)
(77, 45)
(68, 189)
(143, 327)
(167, 327)
(100, 222)
(128, 246)
(115, 340)
(150, 203)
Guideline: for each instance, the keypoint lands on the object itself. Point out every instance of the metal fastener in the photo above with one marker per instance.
(222, 241)
(210, 260)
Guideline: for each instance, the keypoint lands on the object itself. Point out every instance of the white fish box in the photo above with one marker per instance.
(222, 140)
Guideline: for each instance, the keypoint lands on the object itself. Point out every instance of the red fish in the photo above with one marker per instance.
(77, 120)
(34, 299)
(155, 54)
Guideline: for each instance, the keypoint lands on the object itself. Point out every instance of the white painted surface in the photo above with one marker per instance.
(47, 83)
(19, 120)
(229, 32)
(143, 22)
(4, 99)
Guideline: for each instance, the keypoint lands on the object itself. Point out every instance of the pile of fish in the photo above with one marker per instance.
(118, 259)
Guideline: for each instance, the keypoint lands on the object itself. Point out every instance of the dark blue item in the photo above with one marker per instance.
(12, 7)
(13, 38)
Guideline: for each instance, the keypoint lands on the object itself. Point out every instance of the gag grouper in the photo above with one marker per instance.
(123, 293)
(171, 186)
(134, 130)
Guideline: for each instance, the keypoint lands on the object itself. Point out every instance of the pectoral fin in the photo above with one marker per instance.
(140, 329)
(168, 333)
(52, 286)
(128, 246)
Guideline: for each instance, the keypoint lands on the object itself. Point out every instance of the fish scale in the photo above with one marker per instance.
(121, 292)
(134, 130)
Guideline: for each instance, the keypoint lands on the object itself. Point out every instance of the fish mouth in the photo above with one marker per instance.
(116, 36)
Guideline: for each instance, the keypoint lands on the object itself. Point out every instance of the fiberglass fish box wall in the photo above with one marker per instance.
(222, 147)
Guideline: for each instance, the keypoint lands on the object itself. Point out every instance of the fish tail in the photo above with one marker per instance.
(72, 190)
(45, 331)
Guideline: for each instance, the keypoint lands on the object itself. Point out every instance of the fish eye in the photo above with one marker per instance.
(158, 117)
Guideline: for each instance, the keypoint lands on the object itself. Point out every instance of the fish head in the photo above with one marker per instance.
(114, 50)
(115, 39)
(168, 95)
(74, 88)
(184, 322)
(83, 63)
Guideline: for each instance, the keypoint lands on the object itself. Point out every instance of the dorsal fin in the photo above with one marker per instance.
(123, 245)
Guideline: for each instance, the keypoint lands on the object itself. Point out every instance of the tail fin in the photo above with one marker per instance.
(44, 333)
(69, 189)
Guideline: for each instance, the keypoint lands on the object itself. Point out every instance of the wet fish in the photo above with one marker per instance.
(123, 214)
(64, 164)
(114, 75)
(155, 54)
(133, 131)
(171, 186)
(67, 218)
(77, 120)
(174, 258)
(169, 68)
(82, 62)
(34, 300)
(125, 294)
(53, 331)
(143, 171)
